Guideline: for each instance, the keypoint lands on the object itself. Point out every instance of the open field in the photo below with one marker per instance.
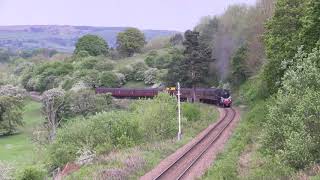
(19, 148)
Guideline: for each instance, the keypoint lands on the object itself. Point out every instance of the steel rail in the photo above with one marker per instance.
(196, 144)
(208, 147)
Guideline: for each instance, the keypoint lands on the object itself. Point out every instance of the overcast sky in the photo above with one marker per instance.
(145, 14)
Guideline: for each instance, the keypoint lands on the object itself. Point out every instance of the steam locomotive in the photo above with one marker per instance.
(216, 96)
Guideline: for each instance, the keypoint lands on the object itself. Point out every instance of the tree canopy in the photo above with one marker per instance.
(92, 44)
(282, 39)
(130, 41)
(10, 114)
(192, 69)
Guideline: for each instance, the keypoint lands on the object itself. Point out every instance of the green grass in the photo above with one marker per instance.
(226, 165)
(19, 148)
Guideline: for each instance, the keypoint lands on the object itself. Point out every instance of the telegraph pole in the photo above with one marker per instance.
(179, 113)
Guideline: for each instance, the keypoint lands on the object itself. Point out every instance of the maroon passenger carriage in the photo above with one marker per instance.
(207, 95)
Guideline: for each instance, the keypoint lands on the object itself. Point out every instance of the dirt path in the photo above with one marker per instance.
(206, 160)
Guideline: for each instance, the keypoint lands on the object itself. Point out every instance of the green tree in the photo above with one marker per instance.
(191, 67)
(196, 60)
(208, 29)
(93, 44)
(239, 73)
(130, 41)
(292, 126)
(53, 105)
(108, 79)
(10, 114)
(310, 33)
(281, 39)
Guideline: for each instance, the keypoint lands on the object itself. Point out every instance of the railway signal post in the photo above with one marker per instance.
(179, 112)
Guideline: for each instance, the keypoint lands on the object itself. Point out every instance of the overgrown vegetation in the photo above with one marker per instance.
(282, 119)
(147, 120)
(269, 54)
(131, 163)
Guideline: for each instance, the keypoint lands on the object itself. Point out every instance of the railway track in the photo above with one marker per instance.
(181, 166)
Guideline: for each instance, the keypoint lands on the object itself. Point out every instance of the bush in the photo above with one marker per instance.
(67, 83)
(104, 65)
(100, 133)
(150, 76)
(45, 76)
(150, 59)
(293, 117)
(157, 117)
(158, 61)
(85, 102)
(147, 120)
(88, 76)
(127, 71)
(82, 54)
(121, 78)
(31, 173)
(108, 79)
(87, 63)
(191, 111)
(138, 71)
(13, 91)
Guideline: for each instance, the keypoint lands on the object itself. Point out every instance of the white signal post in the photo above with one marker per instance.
(179, 112)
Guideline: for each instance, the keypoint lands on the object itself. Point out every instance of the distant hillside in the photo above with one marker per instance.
(62, 38)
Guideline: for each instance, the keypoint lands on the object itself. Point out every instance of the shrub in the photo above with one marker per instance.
(85, 102)
(191, 111)
(108, 79)
(150, 59)
(104, 65)
(67, 83)
(82, 54)
(293, 117)
(100, 133)
(127, 71)
(138, 71)
(160, 61)
(150, 76)
(88, 76)
(157, 117)
(121, 78)
(87, 63)
(9, 90)
(45, 76)
(31, 173)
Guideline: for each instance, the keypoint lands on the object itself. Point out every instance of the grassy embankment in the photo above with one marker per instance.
(134, 162)
(18, 148)
(243, 157)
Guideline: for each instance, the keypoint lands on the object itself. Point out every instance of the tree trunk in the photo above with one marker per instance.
(194, 98)
(52, 134)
